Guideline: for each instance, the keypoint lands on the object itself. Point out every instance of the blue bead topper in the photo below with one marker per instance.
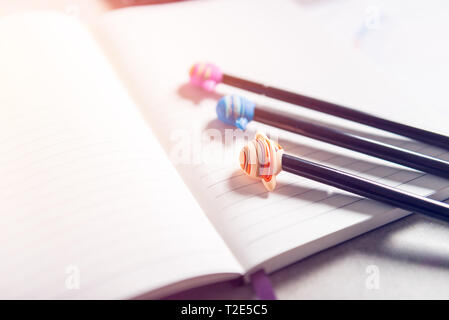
(235, 110)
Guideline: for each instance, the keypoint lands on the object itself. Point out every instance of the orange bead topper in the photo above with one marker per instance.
(261, 158)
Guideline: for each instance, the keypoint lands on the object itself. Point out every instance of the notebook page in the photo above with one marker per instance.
(90, 205)
(276, 44)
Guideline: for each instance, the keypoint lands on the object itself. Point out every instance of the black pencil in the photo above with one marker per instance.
(238, 111)
(265, 166)
(209, 75)
(366, 188)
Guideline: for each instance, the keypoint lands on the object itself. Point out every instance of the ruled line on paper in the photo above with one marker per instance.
(236, 202)
(71, 161)
(42, 148)
(208, 174)
(24, 204)
(66, 151)
(29, 131)
(34, 140)
(242, 214)
(273, 232)
(245, 185)
(238, 188)
(213, 171)
(287, 212)
(236, 176)
(66, 225)
(142, 264)
(225, 180)
(369, 169)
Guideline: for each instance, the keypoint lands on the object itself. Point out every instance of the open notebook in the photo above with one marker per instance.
(118, 182)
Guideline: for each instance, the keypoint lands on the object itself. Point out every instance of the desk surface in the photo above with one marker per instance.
(406, 259)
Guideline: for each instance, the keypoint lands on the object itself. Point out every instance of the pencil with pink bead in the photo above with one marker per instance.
(208, 76)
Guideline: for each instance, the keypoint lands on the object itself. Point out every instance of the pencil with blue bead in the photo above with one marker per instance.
(238, 111)
(208, 76)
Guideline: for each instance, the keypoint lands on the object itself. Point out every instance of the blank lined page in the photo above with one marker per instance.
(278, 45)
(90, 206)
